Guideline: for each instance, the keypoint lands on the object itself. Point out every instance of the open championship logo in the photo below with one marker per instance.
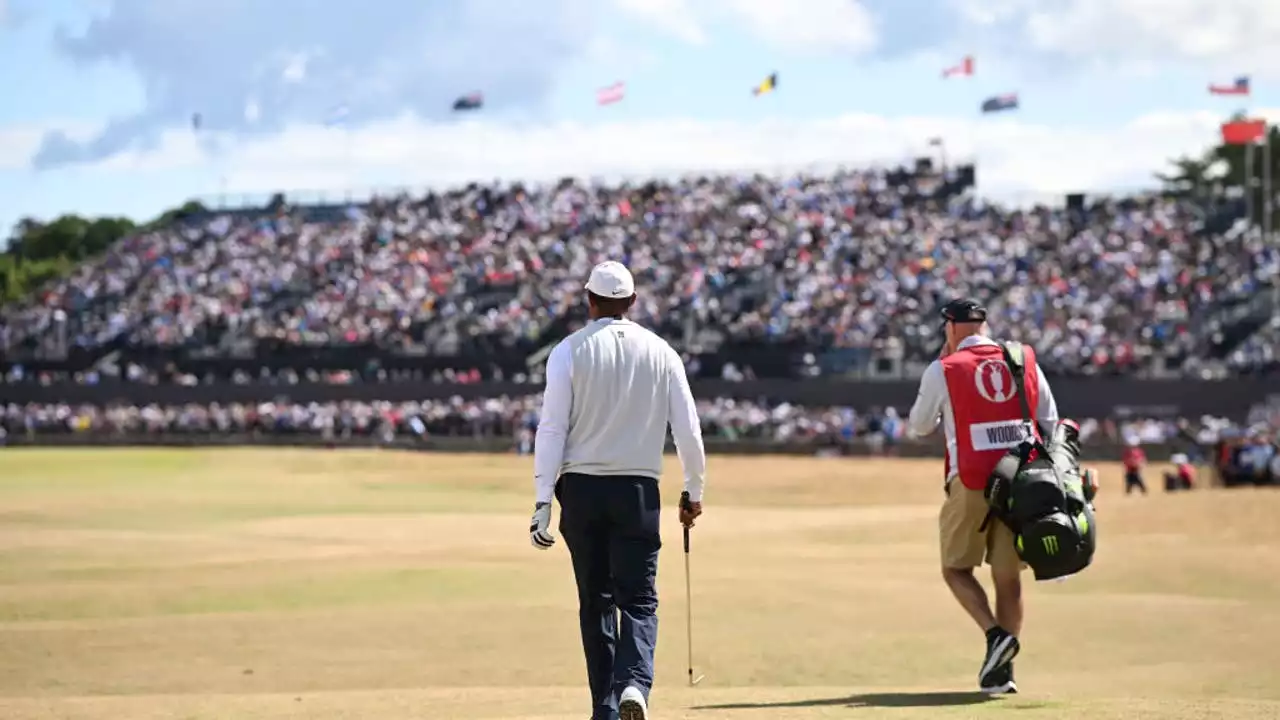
(994, 381)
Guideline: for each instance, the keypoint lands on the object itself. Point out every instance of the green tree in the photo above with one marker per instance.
(1227, 169)
(1189, 177)
(40, 252)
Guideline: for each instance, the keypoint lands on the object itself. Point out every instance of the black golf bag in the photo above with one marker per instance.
(1038, 492)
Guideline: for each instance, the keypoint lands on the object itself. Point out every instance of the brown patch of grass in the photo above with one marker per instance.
(288, 584)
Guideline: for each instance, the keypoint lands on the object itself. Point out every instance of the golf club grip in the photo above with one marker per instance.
(686, 540)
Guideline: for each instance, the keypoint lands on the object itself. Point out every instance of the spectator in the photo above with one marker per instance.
(839, 264)
(511, 418)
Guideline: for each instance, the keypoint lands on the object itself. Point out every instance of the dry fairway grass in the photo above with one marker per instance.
(256, 585)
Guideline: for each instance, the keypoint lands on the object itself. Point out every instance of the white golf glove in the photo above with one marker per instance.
(539, 526)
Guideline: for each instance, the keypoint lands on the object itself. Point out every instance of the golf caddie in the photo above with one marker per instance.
(612, 389)
(971, 391)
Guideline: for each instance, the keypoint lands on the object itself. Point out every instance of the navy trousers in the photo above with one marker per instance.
(611, 527)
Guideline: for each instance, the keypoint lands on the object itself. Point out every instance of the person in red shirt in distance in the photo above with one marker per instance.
(1134, 460)
(970, 389)
(1183, 476)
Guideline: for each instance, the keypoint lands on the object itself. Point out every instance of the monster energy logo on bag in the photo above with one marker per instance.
(1050, 543)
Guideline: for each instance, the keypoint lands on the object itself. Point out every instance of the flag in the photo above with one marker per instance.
(473, 101)
(935, 142)
(1243, 132)
(1008, 101)
(196, 121)
(1240, 86)
(768, 85)
(964, 69)
(611, 94)
(338, 115)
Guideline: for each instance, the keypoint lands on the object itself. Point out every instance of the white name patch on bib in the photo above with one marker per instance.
(998, 435)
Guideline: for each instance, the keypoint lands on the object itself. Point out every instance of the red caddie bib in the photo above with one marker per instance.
(984, 403)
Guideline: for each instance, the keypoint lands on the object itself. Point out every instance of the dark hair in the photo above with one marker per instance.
(610, 306)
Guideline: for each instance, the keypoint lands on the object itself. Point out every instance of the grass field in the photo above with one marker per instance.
(255, 585)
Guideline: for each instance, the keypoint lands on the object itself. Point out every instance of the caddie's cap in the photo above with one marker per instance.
(611, 279)
(964, 310)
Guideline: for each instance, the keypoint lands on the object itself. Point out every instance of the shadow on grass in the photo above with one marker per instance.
(876, 700)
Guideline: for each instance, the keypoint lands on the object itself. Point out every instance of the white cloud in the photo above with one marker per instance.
(806, 27)
(811, 26)
(19, 142)
(1236, 36)
(1225, 34)
(674, 17)
(384, 57)
(295, 68)
(989, 12)
(1015, 160)
(606, 53)
(16, 145)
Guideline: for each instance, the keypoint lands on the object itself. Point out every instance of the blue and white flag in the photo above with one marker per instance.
(1008, 101)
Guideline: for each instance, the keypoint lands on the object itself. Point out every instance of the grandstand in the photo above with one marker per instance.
(411, 320)
(836, 274)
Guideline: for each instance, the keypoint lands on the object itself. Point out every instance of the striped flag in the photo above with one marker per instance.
(612, 94)
(1240, 86)
(964, 69)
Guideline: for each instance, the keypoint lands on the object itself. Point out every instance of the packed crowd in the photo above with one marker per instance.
(516, 418)
(506, 417)
(1261, 351)
(136, 373)
(851, 259)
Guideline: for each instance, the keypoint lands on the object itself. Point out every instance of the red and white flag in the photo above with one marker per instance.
(1239, 86)
(964, 69)
(611, 94)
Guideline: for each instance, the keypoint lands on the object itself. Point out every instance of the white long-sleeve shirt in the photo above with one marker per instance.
(934, 403)
(612, 389)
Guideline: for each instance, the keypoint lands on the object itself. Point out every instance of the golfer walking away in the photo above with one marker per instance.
(970, 388)
(612, 389)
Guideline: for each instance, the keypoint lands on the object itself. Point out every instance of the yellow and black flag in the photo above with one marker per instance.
(767, 86)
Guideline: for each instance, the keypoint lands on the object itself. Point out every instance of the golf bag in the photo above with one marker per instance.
(1037, 491)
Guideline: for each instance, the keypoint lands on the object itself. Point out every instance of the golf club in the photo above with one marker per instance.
(688, 593)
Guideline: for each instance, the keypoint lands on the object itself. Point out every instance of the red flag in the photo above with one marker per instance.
(964, 69)
(1243, 132)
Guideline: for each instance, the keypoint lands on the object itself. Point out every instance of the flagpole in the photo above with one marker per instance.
(1248, 181)
(1266, 185)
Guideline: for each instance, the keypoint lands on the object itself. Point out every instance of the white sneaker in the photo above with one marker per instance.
(631, 706)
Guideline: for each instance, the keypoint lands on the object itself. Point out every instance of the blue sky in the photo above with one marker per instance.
(100, 92)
